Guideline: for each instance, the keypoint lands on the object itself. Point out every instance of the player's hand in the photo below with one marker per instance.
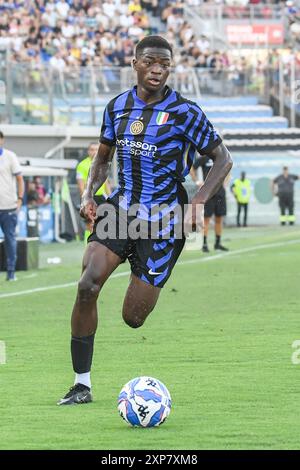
(194, 218)
(88, 209)
(19, 204)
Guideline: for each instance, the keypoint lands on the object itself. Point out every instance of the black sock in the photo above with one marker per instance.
(82, 353)
(204, 240)
(218, 239)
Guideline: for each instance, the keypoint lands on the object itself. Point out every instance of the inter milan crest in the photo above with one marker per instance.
(136, 127)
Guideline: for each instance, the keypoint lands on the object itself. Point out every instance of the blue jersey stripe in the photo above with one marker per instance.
(161, 277)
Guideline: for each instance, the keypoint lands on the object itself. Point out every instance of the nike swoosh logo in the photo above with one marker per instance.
(77, 400)
(153, 273)
(82, 399)
(121, 115)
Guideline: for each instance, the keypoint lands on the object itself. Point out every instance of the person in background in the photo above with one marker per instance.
(32, 195)
(11, 198)
(283, 187)
(82, 172)
(241, 189)
(215, 206)
(43, 196)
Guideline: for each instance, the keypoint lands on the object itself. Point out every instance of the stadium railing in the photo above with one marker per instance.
(77, 95)
(213, 21)
(265, 12)
(285, 90)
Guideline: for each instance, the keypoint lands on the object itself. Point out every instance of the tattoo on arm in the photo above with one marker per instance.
(215, 178)
(99, 170)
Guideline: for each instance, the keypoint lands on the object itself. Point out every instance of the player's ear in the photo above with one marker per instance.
(133, 63)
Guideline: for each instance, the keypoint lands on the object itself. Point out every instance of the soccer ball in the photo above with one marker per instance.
(144, 401)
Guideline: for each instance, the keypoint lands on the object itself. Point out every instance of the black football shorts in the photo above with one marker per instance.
(151, 260)
(215, 206)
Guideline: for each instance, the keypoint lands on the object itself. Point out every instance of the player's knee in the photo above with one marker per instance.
(87, 290)
(133, 320)
(136, 318)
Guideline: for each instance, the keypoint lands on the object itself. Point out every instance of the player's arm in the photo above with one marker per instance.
(216, 176)
(97, 175)
(20, 189)
(193, 174)
(214, 180)
(108, 188)
(17, 172)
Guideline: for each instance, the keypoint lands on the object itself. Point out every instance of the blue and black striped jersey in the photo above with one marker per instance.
(156, 144)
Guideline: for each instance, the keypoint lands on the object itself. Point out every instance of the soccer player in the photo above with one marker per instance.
(215, 206)
(156, 133)
(82, 172)
(283, 187)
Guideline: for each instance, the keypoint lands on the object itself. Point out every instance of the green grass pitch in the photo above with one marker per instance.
(220, 338)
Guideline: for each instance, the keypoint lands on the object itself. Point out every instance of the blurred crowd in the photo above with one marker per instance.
(69, 34)
(74, 33)
(293, 18)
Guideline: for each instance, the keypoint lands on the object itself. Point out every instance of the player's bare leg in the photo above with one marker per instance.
(218, 231)
(205, 248)
(98, 264)
(139, 301)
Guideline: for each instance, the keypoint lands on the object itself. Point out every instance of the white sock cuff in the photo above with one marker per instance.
(84, 379)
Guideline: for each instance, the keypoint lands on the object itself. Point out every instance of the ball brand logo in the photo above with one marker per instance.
(142, 411)
(150, 381)
(136, 127)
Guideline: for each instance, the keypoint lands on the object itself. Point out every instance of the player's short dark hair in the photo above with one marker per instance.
(285, 168)
(153, 41)
(1, 135)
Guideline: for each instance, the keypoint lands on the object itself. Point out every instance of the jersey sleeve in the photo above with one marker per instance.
(198, 130)
(107, 135)
(15, 165)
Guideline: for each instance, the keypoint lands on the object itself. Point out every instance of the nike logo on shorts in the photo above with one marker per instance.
(153, 273)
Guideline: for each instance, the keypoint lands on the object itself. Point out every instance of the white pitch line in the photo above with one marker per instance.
(56, 286)
(180, 263)
(2, 353)
(238, 252)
